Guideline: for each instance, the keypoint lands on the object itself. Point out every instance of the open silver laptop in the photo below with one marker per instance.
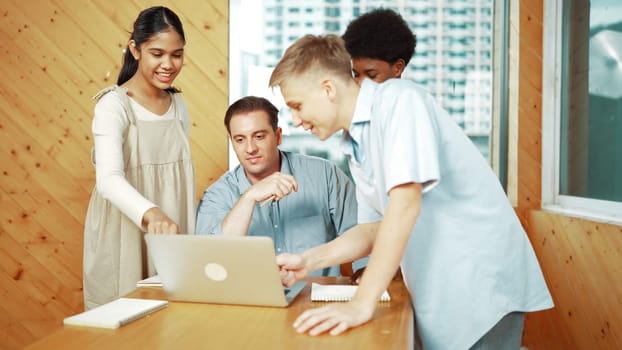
(219, 269)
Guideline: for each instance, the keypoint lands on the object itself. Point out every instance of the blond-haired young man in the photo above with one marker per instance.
(427, 201)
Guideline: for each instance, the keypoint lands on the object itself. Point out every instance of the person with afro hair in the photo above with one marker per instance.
(380, 43)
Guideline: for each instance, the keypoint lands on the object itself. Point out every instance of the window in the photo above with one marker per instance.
(582, 109)
(454, 65)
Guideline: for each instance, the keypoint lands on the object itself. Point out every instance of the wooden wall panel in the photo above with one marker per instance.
(529, 104)
(582, 263)
(581, 260)
(55, 55)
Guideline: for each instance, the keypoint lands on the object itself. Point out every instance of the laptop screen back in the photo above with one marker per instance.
(219, 269)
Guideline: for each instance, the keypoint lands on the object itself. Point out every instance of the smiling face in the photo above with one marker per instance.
(255, 143)
(160, 59)
(313, 104)
(375, 69)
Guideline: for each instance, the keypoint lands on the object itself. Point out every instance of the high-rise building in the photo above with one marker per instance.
(452, 59)
(453, 56)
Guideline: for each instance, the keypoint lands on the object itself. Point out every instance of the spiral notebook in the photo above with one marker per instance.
(337, 292)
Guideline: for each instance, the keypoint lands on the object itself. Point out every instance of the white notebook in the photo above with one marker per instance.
(116, 313)
(337, 292)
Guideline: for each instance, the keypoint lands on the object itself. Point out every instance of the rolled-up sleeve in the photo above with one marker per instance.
(215, 204)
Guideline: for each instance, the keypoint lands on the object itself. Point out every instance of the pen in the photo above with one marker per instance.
(266, 201)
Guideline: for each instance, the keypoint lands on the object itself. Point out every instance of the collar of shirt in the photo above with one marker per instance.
(286, 167)
(350, 143)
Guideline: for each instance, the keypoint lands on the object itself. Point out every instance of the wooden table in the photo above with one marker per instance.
(210, 326)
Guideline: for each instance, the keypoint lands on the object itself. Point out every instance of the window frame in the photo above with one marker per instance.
(552, 200)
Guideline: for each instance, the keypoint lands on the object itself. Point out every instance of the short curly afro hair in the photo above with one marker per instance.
(380, 34)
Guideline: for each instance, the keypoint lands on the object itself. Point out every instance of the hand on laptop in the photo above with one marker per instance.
(292, 268)
(155, 221)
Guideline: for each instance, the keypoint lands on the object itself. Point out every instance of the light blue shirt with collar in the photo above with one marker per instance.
(468, 261)
(323, 207)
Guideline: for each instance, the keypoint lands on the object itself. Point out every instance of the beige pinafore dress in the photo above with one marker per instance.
(158, 164)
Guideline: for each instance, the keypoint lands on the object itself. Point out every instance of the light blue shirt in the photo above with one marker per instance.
(323, 207)
(468, 261)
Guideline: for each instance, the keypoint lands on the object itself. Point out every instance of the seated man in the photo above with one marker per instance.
(297, 200)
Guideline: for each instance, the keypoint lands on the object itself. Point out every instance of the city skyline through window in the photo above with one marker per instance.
(453, 57)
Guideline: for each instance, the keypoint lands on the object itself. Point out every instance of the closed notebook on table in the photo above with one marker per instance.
(115, 313)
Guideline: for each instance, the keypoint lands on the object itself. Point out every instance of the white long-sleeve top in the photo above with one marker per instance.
(108, 127)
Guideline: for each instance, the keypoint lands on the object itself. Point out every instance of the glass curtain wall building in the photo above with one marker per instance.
(453, 57)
